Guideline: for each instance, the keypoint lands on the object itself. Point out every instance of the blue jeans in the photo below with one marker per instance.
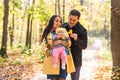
(76, 75)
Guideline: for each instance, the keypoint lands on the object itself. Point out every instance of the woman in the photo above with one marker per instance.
(54, 73)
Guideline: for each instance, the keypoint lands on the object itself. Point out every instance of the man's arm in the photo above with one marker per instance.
(82, 40)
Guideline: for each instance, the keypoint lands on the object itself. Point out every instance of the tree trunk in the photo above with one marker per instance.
(115, 32)
(55, 6)
(115, 37)
(59, 7)
(63, 11)
(3, 51)
(12, 30)
(28, 29)
(81, 2)
(31, 22)
(21, 32)
(30, 34)
(40, 34)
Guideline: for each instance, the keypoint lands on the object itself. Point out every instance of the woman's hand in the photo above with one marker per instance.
(60, 42)
(56, 42)
(64, 43)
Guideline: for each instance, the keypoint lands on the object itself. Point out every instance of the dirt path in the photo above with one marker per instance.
(89, 60)
(90, 63)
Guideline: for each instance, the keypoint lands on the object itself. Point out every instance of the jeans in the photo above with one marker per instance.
(76, 75)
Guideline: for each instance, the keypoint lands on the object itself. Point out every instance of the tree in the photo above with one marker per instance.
(63, 11)
(55, 6)
(28, 28)
(59, 7)
(115, 38)
(3, 51)
(81, 2)
(15, 5)
(31, 22)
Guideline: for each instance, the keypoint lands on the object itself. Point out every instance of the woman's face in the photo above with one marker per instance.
(57, 22)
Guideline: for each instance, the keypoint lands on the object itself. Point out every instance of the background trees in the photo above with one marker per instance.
(22, 22)
(27, 18)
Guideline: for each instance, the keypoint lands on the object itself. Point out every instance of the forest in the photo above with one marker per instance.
(21, 26)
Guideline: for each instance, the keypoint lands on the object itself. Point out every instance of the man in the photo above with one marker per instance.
(78, 39)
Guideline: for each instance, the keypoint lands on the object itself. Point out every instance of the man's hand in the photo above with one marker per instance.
(74, 36)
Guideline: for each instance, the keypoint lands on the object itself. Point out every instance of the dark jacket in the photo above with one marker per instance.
(79, 44)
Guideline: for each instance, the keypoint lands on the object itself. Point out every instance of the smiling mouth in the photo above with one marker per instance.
(71, 24)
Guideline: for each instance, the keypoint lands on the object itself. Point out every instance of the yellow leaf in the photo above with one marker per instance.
(70, 31)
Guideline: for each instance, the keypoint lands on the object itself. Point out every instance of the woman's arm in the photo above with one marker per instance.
(56, 42)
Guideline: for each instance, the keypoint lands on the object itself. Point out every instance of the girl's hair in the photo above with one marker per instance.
(49, 27)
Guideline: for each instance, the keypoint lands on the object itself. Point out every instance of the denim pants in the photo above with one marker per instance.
(76, 75)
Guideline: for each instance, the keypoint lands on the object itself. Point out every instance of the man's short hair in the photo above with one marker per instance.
(75, 12)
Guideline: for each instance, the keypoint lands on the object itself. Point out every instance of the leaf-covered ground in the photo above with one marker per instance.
(103, 69)
(19, 66)
(25, 71)
(23, 67)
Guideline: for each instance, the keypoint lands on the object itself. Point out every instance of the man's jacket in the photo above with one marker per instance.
(79, 44)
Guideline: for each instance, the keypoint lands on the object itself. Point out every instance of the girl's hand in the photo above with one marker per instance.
(59, 36)
(60, 42)
(56, 42)
(74, 36)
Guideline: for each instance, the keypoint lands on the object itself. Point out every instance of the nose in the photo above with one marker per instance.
(59, 23)
(71, 21)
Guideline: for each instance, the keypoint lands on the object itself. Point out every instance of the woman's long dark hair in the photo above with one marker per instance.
(49, 27)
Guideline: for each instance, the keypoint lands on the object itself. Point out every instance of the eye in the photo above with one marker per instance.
(70, 19)
(74, 20)
(57, 21)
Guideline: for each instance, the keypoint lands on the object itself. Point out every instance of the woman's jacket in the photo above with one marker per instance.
(48, 64)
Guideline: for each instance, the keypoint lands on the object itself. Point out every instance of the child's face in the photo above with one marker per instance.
(57, 22)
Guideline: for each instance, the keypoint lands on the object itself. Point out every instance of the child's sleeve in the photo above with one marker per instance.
(69, 42)
(55, 37)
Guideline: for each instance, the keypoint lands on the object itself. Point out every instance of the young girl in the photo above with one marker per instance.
(55, 73)
(59, 50)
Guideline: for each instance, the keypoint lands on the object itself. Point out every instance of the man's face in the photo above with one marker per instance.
(72, 20)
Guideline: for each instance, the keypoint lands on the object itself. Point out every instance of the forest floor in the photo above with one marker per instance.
(94, 67)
